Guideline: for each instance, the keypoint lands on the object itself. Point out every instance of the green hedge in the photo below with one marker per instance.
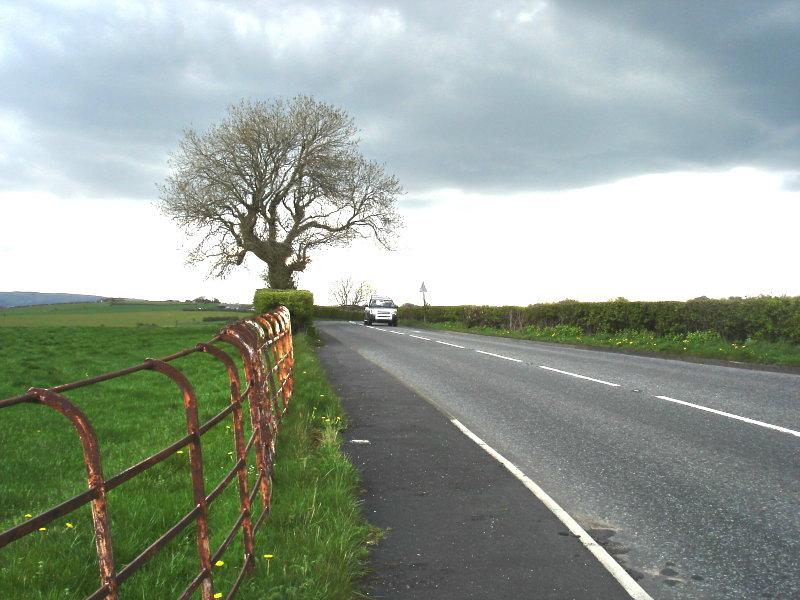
(339, 313)
(735, 319)
(299, 302)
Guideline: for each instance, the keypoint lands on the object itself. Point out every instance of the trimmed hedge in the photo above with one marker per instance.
(735, 319)
(299, 302)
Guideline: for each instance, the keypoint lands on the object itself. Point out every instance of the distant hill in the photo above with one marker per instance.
(10, 299)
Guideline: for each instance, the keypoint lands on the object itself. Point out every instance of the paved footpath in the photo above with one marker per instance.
(458, 524)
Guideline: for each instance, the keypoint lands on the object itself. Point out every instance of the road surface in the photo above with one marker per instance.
(689, 474)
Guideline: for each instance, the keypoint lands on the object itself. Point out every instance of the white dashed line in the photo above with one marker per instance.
(580, 376)
(449, 344)
(733, 416)
(419, 337)
(612, 566)
(499, 356)
(394, 332)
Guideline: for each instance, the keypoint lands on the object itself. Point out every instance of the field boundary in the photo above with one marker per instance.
(265, 346)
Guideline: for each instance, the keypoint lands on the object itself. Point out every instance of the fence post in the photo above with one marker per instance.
(196, 469)
(238, 434)
(243, 340)
(94, 472)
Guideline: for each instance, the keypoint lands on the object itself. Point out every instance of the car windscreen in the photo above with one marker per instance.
(382, 304)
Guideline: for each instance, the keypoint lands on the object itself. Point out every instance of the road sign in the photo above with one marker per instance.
(423, 289)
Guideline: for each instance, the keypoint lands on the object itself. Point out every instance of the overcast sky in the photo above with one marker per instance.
(582, 149)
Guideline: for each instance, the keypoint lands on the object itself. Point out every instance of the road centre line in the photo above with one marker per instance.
(608, 383)
(580, 376)
(732, 416)
(449, 344)
(498, 356)
(612, 566)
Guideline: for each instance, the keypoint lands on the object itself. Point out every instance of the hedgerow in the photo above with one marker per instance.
(734, 319)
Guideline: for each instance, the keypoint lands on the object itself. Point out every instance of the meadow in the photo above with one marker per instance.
(314, 543)
(116, 314)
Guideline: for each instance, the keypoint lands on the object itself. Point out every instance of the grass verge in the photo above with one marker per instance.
(705, 344)
(313, 545)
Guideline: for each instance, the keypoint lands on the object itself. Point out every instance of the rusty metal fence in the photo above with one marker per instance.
(264, 344)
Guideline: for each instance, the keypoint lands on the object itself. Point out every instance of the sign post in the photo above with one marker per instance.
(423, 289)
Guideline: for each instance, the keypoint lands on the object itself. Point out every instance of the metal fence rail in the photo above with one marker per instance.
(265, 346)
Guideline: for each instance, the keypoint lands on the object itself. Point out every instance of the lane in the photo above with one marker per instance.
(765, 396)
(699, 505)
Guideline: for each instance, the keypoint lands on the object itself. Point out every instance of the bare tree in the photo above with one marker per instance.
(342, 291)
(277, 179)
(345, 293)
(362, 293)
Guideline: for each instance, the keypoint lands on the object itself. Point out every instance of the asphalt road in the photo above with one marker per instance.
(693, 503)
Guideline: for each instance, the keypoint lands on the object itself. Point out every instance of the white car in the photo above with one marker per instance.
(380, 310)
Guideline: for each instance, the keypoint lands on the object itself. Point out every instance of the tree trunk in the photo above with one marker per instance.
(279, 275)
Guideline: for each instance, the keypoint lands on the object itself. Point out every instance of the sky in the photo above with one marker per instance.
(548, 149)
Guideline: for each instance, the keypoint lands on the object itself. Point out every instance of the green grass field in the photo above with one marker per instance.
(315, 534)
(123, 314)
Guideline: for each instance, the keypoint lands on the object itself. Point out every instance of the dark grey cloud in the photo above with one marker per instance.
(473, 95)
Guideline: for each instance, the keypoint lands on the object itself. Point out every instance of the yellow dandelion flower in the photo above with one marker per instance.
(218, 595)
(219, 563)
(28, 515)
(70, 525)
(268, 556)
(42, 528)
(179, 452)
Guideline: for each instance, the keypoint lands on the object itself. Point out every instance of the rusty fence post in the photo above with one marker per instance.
(244, 342)
(238, 435)
(94, 473)
(195, 467)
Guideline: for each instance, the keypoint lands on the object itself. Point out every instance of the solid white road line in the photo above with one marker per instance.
(498, 356)
(579, 376)
(611, 565)
(448, 344)
(733, 416)
(419, 337)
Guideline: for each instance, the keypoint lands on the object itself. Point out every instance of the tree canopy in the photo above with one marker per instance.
(279, 180)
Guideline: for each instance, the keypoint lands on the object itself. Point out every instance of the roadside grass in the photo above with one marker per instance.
(315, 535)
(706, 344)
(123, 314)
